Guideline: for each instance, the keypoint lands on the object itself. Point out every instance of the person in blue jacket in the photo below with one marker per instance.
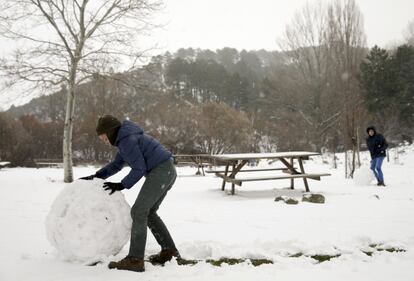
(377, 146)
(147, 158)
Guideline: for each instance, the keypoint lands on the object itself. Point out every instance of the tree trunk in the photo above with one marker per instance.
(351, 174)
(68, 128)
(346, 163)
(358, 147)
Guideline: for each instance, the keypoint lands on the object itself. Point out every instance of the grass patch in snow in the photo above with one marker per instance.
(257, 262)
(319, 258)
(186, 262)
(233, 261)
(228, 261)
(374, 248)
(297, 255)
(381, 248)
(368, 253)
(322, 258)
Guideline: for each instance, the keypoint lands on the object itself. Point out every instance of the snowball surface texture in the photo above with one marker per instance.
(363, 176)
(86, 223)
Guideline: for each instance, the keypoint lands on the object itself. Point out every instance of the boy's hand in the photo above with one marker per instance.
(113, 186)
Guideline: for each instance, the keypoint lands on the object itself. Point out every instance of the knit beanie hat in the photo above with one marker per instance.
(110, 126)
(107, 124)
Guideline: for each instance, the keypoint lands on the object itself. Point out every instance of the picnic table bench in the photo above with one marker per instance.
(4, 164)
(235, 162)
(40, 162)
(198, 160)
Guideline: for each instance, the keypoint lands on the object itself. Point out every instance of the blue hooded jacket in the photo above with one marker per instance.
(376, 144)
(140, 151)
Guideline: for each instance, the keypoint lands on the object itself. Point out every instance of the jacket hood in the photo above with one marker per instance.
(372, 128)
(128, 128)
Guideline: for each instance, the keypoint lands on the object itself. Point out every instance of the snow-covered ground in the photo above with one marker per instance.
(208, 223)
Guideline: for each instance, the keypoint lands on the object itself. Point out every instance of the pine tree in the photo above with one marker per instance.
(403, 64)
(378, 78)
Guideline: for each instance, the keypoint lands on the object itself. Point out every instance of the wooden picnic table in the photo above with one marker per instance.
(198, 160)
(4, 164)
(238, 161)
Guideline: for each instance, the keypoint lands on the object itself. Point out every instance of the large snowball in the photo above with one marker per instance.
(363, 176)
(87, 223)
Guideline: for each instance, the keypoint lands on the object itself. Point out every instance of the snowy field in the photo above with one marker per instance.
(207, 223)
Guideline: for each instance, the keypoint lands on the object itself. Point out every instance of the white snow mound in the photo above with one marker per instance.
(86, 223)
(363, 176)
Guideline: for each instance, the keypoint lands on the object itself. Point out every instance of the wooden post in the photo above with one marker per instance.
(292, 181)
(305, 181)
(197, 162)
(225, 174)
(289, 166)
(236, 168)
(233, 175)
(200, 165)
(200, 159)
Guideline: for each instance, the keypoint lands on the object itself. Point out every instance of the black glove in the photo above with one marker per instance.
(88, 178)
(113, 186)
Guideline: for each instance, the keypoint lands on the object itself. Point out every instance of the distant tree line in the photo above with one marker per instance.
(180, 125)
(25, 138)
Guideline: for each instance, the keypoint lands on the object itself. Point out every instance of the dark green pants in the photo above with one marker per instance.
(144, 212)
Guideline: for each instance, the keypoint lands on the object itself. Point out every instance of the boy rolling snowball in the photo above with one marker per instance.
(146, 157)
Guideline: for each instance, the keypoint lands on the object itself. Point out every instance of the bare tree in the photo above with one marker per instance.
(305, 45)
(347, 40)
(409, 33)
(68, 41)
(326, 44)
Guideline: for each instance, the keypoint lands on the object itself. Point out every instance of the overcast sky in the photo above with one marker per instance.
(247, 24)
(257, 24)
(244, 24)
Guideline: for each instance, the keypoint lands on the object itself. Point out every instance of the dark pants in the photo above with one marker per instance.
(376, 164)
(144, 211)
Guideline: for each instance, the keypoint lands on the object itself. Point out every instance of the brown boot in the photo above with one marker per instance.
(128, 263)
(164, 256)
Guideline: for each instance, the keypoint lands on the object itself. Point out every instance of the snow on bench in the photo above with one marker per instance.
(4, 164)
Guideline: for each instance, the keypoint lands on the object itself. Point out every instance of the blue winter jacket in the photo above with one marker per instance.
(376, 144)
(140, 151)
